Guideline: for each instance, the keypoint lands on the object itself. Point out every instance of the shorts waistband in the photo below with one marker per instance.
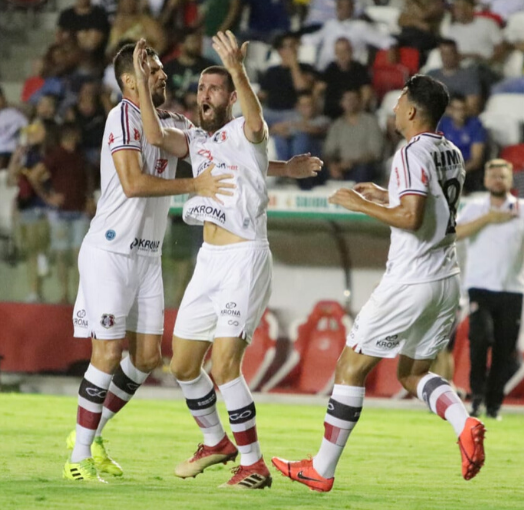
(244, 245)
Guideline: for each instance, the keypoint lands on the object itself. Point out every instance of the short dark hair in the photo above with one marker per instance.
(222, 71)
(430, 95)
(68, 129)
(278, 41)
(448, 42)
(123, 61)
(457, 96)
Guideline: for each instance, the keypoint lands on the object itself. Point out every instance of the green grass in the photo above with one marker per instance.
(395, 460)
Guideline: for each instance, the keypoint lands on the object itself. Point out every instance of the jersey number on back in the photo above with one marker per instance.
(451, 191)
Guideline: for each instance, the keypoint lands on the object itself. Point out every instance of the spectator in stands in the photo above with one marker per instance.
(281, 84)
(46, 108)
(11, 122)
(88, 26)
(494, 278)
(458, 80)
(67, 175)
(301, 134)
(34, 82)
(341, 74)
(420, 25)
(468, 134)
(25, 171)
(184, 71)
(354, 142)
(360, 33)
(132, 23)
(479, 39)
(504, 8)
(266, 19)
(89, 115)
(218, 16)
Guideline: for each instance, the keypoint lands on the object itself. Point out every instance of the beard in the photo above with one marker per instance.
(159, 98)
(216, 122)
(497, 193)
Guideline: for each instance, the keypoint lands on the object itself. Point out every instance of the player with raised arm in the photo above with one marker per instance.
(121, 292)
(412, 310)
(231, 284)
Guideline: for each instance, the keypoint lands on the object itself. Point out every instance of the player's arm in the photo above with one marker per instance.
(474, 227)
(370, 191)
(171, 140)
(408, 215)
(135, 183)
(300, 166)
(225, 44)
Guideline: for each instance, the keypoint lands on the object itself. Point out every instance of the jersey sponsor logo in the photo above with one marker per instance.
(145, 245)
(231, 305)
(390, 342)
(220, 137)
(80, 321)
(161, 165)
(107, 320)
(205, 153)
(136, 134)
(111, 139)
(233, 323)
(235, 313)
(110, 235)
(207, 211)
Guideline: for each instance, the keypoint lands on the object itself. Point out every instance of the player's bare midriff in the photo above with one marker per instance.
(213, 234)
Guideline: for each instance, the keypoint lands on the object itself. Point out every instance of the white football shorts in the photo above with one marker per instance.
(118, 293)
(228, 293)
(414, 320)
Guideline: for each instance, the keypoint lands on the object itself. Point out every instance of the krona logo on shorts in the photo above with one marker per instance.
(230, 309)
(79, 320)
(389, 342)
(145, 244)
(207, 210)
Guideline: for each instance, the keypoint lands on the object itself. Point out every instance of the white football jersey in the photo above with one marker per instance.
(431, 166)
(244, 213)
(132, 225)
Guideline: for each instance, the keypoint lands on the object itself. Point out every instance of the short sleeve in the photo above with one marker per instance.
(413, 174)
(125, 129)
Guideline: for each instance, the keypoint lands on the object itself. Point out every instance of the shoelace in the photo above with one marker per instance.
(199, 452)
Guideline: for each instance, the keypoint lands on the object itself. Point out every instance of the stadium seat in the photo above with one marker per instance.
(514, 30)
(434, 61)
(384, 15)
(317, 344)
(261, 352)
(388, 75)
(504, 118)
(513, 65)
(386, 107)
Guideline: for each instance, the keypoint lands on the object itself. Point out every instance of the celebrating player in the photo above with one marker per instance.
(121, 293)
(412, 310)
(231, 284)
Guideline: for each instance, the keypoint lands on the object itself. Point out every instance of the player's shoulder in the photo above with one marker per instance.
(123, 112)
(177, 119)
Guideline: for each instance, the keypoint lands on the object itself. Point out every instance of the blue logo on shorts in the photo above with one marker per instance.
(110, 235)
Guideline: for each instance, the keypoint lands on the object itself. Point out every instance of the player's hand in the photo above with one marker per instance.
(225, 44)
(140, 62)
(495, 216)
(303, 166)
(370, 191)
(55, 199)
(347, 198)
(207, 185)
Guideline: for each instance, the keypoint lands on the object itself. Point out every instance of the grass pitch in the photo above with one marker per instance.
(395, 460)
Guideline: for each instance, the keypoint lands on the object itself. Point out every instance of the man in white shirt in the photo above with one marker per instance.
(493, 227)
(412, 310)
(360, 33)
(120, 294)
(11, 122)
(478, 38)
(231, 284)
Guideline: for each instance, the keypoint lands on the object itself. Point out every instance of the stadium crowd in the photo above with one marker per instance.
(326, 71)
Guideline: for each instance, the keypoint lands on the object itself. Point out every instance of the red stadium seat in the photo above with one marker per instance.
(317, 344)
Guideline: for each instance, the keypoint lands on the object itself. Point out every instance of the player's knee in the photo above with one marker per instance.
(224, 372)
(107, 356)
(147, 363)
(183, 371)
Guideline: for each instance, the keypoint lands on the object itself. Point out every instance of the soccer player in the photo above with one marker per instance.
(231, 284)
(412, 310)
(121, 293)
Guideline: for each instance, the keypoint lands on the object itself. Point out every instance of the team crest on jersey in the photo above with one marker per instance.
(206, 154)
(137, 134)
(110, 235)
(111, 139)
(160, 166)
(107, 320)
(220, 137)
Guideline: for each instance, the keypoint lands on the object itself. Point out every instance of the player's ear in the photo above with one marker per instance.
(233, 98)
(412, 112)
(129, 81)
